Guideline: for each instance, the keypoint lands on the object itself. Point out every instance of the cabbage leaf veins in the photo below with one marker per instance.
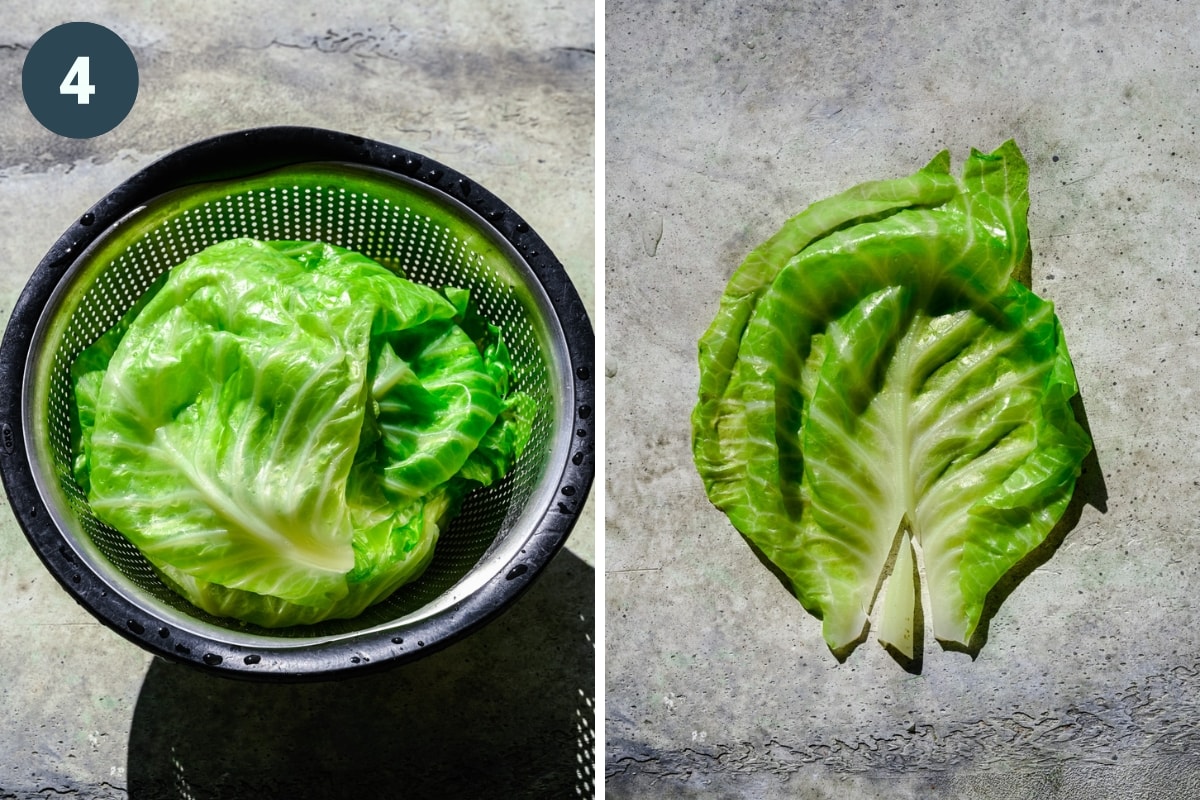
(884, 406)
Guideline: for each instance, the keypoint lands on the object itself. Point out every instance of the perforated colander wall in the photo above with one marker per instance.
(343, 207)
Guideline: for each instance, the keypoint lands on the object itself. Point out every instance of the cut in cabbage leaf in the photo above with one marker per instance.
(879, 391)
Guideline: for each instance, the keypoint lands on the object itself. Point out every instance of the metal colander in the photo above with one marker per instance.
(397, 207)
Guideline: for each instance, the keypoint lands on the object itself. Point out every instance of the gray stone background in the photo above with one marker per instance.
(503, 92)
(722, 120)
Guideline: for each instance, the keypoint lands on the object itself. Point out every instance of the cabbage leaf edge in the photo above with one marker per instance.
(885, 408)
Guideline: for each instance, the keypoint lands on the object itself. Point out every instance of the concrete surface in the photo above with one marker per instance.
(722, 120)
(502, 92)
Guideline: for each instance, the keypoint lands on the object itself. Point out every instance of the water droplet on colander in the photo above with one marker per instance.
(583, 373)
(135, 626)
(212, 659)
(164, 633)
(577, 459)
(516, 572)
(252, 659)
(87, 219)
(585, 411)
(568, 490)
(397, 640)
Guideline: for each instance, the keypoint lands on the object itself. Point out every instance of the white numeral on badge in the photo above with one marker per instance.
(78, 81)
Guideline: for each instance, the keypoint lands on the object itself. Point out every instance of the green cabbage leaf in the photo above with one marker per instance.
(885, 406)
(283, 429)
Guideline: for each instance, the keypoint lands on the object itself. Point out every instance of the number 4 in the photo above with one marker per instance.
(78, 81)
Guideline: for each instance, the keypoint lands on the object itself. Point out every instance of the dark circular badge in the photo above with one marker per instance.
(80, 80)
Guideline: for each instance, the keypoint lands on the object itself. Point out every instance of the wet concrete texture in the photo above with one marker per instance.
(504, 95)
(723, 120)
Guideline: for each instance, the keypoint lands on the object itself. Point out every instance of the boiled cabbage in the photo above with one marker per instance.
(284, 428)
(883, 405)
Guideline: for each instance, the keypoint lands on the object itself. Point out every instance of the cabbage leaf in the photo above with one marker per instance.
(284, 428)
(883, 404)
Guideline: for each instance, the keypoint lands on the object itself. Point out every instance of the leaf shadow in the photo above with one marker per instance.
(1090, 490)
